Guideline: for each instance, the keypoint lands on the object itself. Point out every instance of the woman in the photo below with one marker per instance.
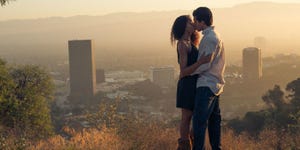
(182, 33)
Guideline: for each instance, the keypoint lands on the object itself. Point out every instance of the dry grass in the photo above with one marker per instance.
(87, 139)
(230, 141)
(153, 137)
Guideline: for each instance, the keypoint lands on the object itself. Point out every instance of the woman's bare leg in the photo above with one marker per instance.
(186, 116)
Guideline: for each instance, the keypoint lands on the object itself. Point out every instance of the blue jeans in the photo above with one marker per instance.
(206, 112)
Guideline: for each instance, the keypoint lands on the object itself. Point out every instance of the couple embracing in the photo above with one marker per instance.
(201, 81)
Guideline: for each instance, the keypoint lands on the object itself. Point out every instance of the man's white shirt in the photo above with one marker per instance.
(211, 74)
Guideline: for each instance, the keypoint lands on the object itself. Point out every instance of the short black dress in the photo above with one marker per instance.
(186, 87)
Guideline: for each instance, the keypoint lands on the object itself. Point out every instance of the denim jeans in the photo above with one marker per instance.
(206, 113)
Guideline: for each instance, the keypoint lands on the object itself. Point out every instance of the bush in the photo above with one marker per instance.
(25, 94)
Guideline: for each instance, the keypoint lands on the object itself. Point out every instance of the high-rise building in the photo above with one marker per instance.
(163, 76)
(252, 64)
(82, 70)
(100, 76)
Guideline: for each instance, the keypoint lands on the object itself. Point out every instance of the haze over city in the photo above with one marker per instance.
(133, 30)
(104, 72)
(50, 8)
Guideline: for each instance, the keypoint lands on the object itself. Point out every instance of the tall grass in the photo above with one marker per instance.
(150, 137)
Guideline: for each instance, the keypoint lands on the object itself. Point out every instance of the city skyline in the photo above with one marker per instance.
(29, 10)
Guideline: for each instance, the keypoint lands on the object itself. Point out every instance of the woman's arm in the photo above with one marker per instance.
(190, 69)
(183, 56)
(182, 49)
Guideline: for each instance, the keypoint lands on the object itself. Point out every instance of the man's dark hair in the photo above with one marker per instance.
(204, 14)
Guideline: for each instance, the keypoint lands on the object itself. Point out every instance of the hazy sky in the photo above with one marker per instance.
(23, 9)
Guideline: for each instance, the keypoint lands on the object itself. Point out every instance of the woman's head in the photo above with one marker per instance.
(182, 27)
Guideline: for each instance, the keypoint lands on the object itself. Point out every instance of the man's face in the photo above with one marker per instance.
(198, 25)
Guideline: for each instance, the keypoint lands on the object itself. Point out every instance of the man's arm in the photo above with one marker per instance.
(209, 48)
(190, 69)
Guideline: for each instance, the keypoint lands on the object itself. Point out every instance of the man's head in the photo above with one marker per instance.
(203, 18)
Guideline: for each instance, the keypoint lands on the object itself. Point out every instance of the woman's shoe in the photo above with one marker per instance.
(184, 144)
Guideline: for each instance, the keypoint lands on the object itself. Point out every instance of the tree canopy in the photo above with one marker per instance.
(283, 112)
(4, 2)
(25, 93)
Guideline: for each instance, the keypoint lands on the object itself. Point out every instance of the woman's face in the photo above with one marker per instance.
(189, 28)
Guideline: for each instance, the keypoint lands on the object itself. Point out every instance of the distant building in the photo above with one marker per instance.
(82, 70)
(100, 76)
(260, 42)
(163, 76)
(252, 64)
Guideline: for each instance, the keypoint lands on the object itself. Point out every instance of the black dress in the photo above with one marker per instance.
(186, 87)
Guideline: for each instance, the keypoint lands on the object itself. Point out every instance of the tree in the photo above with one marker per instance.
(294, 88)
(7, 105)
(6, 83)
(253, 123)
(294, 96)
(25, 99)
(4, 2)
(274, 98)
(283, 111)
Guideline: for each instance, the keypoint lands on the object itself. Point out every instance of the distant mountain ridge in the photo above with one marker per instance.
(150, 31)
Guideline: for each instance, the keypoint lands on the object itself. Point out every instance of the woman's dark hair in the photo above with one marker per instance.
(203, 14)
(178, 28)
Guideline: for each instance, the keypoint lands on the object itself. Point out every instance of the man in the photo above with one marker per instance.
(210, 82)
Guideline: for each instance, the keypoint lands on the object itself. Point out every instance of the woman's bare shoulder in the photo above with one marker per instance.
(183, 46)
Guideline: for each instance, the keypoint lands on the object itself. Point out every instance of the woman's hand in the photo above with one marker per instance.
(180, 75)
